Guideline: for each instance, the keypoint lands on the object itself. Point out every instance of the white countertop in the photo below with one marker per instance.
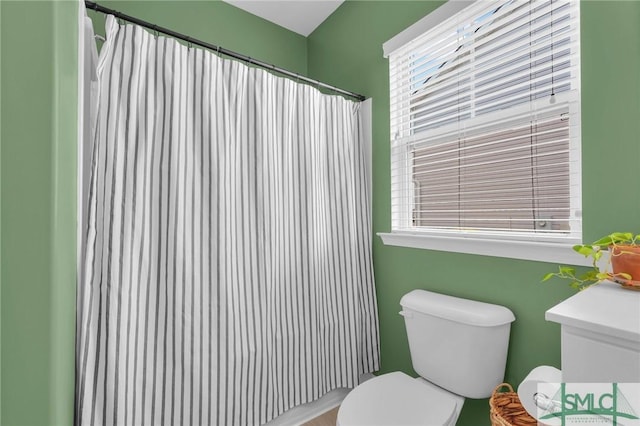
(605, 308)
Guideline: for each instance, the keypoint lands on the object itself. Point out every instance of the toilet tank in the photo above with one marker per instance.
(458, 344)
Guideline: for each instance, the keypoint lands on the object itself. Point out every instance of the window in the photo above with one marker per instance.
(485, 124)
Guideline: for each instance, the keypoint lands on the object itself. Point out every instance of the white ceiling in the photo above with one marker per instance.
(300, 16)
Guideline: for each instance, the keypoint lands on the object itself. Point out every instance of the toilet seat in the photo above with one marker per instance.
(398, 399)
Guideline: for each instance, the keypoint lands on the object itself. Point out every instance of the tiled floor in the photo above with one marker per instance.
(326, 419)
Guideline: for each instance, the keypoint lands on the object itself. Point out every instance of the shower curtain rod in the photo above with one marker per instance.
(98, 8)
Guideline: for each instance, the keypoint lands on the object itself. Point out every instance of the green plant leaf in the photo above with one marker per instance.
(567, 270)
(583, 250)
(591, 275)
(604, 241)
(622, 236)
(548, 276)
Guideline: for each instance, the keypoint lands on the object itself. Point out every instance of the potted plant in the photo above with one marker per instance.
(624, 258)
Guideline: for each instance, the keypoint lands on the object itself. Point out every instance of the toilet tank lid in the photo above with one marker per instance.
(456, 309)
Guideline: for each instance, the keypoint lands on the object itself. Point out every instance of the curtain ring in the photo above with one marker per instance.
(155, 31)
(189, 44)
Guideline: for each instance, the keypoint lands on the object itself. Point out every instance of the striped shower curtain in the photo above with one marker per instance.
(228, 274)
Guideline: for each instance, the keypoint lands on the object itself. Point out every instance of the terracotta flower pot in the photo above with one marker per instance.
(626, 259)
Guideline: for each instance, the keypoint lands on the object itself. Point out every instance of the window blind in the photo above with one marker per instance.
(485, 122)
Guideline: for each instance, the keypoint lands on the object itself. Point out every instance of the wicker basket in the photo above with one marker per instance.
(506, 408)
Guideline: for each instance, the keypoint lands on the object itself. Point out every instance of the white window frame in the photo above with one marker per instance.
(525, 246)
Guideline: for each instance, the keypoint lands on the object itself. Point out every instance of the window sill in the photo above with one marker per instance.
(541, 251)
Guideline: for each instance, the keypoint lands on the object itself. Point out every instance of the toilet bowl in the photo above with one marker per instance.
(398, 399)
(459, 348)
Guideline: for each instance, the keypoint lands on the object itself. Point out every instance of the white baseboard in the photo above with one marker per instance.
(306, 412)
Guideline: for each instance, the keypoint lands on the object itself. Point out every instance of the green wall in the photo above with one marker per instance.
(37, 183)
(346, 51)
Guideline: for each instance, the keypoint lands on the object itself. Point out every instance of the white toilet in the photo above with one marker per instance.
(459, 348)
